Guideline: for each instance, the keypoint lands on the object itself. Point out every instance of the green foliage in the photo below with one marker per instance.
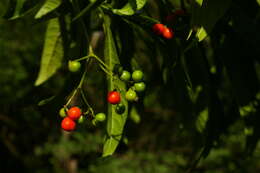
(115, 123)
(52, 52)
(48, 7)
(198, 111)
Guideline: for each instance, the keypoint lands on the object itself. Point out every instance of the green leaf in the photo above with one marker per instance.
(258, 1)
(205, 16)
(52, 53)
(14, 9)
(202, 120)
(131, 7)
(45, 101)
(115, 122)
(134, 115)
(48, 7)
(87, 9)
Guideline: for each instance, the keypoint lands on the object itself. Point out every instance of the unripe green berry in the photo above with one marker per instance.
(100, 117)
(74, 66)
(125, 76)
(62, 112)
(137, 75)
(139, 87)
(131, 95)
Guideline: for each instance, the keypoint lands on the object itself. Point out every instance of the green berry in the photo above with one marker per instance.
(131, 95)
(100, 117)
(120, 108)
(137, 75)
(81, 119)
(62, 112)
(74, 66)
(139, 87)
(125, 76)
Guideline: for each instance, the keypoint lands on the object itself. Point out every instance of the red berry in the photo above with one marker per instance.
(113, 97)
(68, 124)
(74, 113)
(158, 28)
(167, 33)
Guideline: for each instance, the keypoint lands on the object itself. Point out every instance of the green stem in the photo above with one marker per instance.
(83, 58)
(86, 101)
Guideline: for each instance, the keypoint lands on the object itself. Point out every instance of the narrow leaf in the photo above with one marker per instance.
(52, 53)
(131, 7)
(115, 122)
(48, 7)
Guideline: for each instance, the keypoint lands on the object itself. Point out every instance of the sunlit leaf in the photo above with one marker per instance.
(131, 7)
(48, 7)
(115, 122)
(52, 53)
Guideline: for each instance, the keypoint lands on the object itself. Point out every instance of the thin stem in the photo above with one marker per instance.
(86, 101)
(100, 61)
(83, 58)
(105, 70)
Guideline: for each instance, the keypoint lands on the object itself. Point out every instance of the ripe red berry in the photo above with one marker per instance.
(167, 33)
(68, 124)
(74, 113)
(113, 97)
(158, 28)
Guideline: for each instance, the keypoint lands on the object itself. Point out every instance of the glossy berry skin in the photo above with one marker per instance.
(139, 87)
(167, 33)
(74, 66)
(125, 76)
(113, 97)
(62, 112)
(74, 113)
(137, 75)
(120, 108)
(158, 28)
(68, 124)
(100, 117)
(131, 95)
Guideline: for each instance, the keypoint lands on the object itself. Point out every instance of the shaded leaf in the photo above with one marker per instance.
(115, 122)
(48, 7)
(45, 101)
(134, 115)
(52, 53)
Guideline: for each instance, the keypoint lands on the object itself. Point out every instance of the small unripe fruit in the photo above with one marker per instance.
(68, 124)
(137, 75)
(131, 95)
(100, 117)
(74, 113)
(74, 66)
(139, 87)
(62, 112)
(125, 76)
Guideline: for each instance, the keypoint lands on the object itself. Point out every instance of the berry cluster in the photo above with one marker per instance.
(74, 114)
(135, 84)
(162, 30)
